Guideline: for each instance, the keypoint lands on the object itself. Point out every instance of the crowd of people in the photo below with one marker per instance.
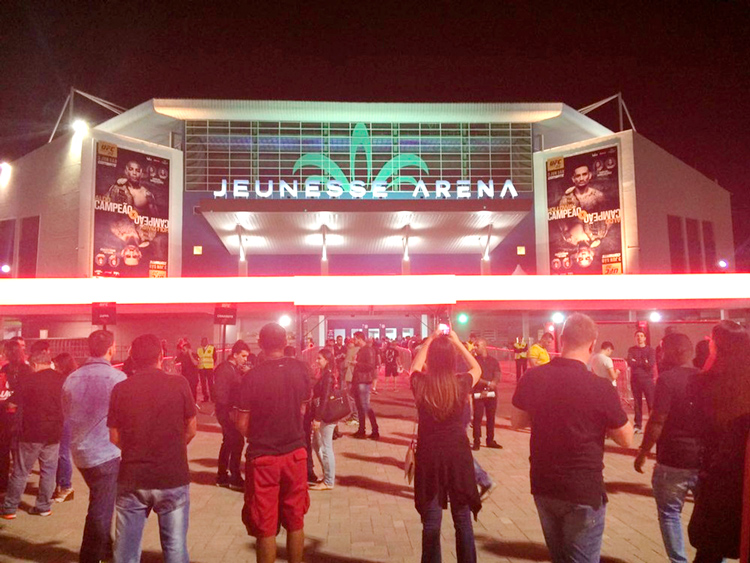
(127, 432)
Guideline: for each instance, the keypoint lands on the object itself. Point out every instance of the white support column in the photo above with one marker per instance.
(324, 253)
(405, 262)
(242, 269)
(485, 268)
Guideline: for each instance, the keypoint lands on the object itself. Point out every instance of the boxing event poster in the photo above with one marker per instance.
(584, 213)
(131, 213)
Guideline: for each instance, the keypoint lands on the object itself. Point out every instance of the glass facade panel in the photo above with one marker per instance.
(273, 151)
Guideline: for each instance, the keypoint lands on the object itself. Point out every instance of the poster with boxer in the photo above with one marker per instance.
(584, 214)
(131, 213)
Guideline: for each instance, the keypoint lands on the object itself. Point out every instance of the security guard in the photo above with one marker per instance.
(206, 359)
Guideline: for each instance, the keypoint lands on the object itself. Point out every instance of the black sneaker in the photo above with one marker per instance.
(374, 436)
(222, 482)
(359, 435)
(34, 511)
(312, 478)
(494, 445)
(475, 446)
(237, 484)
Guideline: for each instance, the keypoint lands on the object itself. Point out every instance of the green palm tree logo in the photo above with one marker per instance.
(361, 138)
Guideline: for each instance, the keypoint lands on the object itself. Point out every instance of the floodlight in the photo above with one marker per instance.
(723, 264)
(655, 317)
(5, 269)
(80, 127)
(558, 318)
(5, 169)
(462, 318)
(285, 320)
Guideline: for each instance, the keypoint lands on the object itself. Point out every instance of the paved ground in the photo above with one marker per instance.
(370, 514)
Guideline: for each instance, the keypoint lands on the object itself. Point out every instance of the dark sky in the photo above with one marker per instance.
(683, 67)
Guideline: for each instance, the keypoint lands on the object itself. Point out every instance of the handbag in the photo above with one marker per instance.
(410, 460)
(336, 407)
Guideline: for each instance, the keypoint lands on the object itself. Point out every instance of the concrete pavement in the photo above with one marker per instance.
(370, 514)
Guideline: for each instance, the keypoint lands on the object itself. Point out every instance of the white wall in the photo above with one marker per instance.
(45, 183)
(668, 186)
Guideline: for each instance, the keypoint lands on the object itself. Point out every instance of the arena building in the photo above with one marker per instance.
(380, 216)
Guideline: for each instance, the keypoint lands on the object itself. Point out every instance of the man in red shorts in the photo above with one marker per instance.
(270, 416)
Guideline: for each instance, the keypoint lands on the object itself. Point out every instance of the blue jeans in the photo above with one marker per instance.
(573, 532)
(432, 517)
(323, 446)
(26, 455)
(64, 464)
(172, 506)
(102, 483)
(670, 485)
(483, 480)
(362, 398)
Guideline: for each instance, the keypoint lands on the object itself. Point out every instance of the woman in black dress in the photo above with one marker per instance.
(444, 465)
(721, 398)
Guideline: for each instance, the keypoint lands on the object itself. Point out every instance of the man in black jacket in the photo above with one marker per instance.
(227, 379)
(642, 361)
(365, 372)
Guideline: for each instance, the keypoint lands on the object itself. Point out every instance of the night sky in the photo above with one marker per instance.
(683, 67)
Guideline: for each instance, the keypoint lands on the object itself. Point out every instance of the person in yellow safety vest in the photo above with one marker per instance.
(521, 348)
(206, 360)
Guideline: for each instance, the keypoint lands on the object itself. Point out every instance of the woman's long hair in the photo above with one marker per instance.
(328, 357)
(438, 390)
(730, 365)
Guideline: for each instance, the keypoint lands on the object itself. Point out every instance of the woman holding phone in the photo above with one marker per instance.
(444, 465)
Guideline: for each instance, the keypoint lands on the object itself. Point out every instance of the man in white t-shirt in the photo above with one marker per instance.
(601, 363)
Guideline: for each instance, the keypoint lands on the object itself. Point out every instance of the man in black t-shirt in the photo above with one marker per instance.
(642, 361)
(152, 419)
(270, 416)
(671, 427)
(39, 398)
(570, 411)
(484, 395)
(226, 390)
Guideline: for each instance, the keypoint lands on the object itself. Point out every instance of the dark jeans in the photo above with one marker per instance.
(432, 517)
(362, 399)
(6, 440)
(102, 483)
(573, 532)
(64, 463)
(230, 453)
(642, 386)
(482, 406)
(520, 368)
(207, 383)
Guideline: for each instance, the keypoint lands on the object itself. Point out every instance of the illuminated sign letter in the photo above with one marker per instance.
(223, 191)
(291, 190)
(442, 189)
(312, 188)
(420, 187)
(267, 193)
(334, 189)
(239, 189)
(357, 189)
(485, 190)
(463, 189)
(509, 187)
(378, 190)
